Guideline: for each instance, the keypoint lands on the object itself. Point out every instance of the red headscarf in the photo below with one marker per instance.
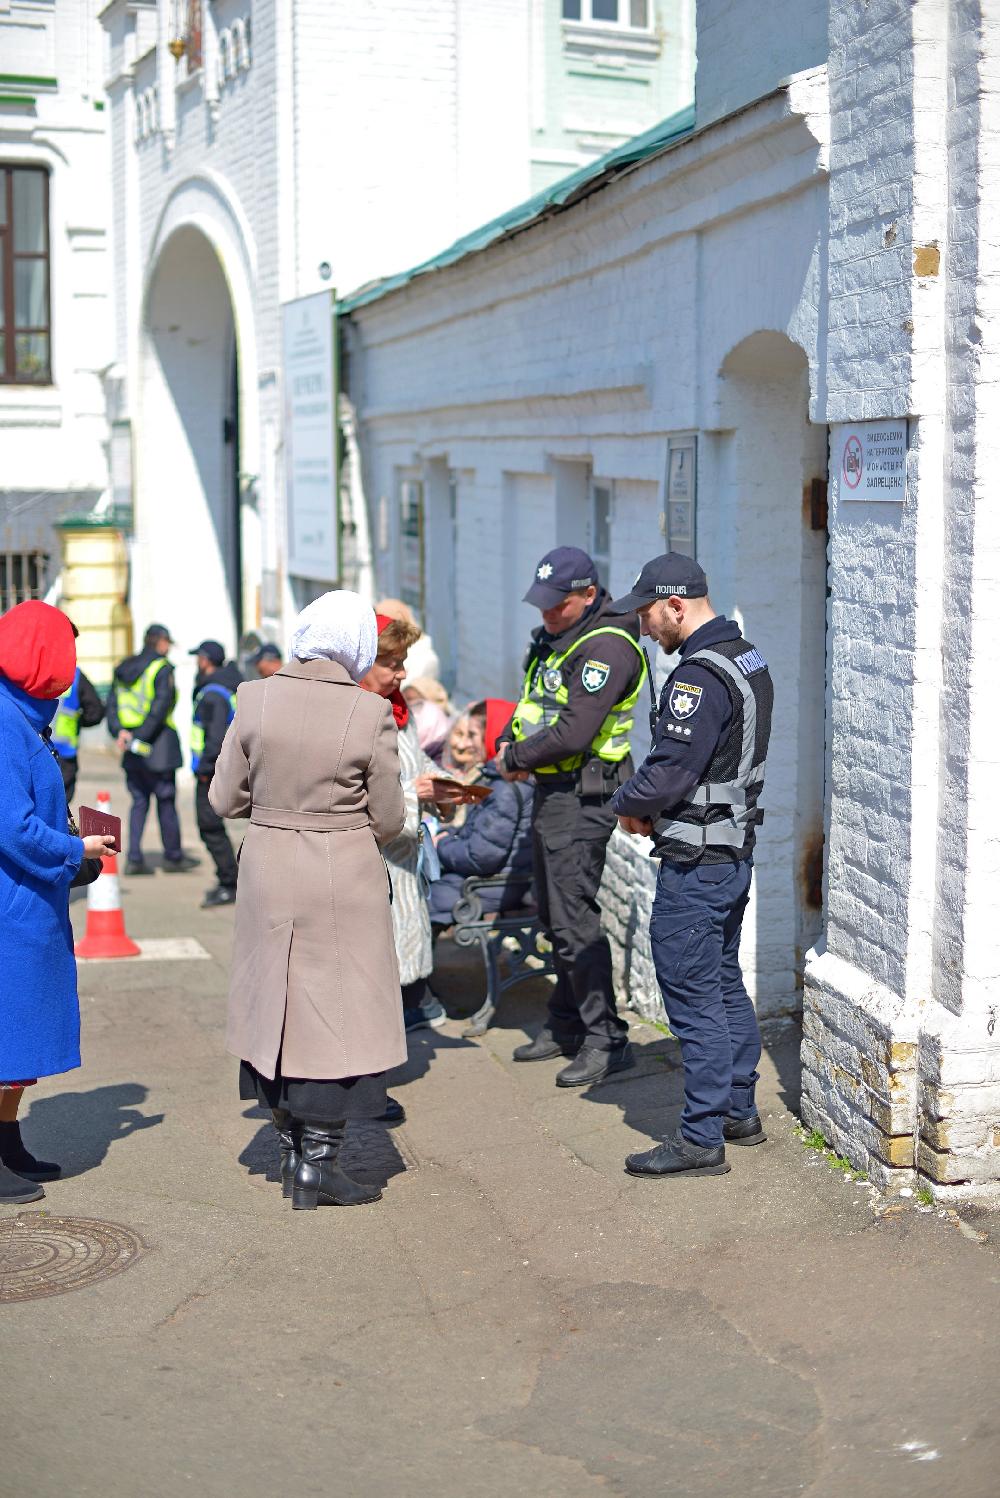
(38, 649)
(498, 715)
(400, 707)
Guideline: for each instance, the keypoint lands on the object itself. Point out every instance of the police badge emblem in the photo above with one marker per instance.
(552, 679)
(594, 675)
(685, 700)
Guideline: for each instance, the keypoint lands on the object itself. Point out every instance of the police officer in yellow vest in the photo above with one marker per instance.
(141, 719)
(569, 734)
(81, 707)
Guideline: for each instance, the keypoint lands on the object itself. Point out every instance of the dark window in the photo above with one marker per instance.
(571, 10)
(22, 576)
(25, 321)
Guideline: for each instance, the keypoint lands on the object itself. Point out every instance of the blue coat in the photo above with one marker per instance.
(494, 841)
(39, 1009)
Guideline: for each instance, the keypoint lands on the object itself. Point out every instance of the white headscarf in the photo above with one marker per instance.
(340, 626)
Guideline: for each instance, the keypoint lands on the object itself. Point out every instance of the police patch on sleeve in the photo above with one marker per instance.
(685, 700)
(594, 675)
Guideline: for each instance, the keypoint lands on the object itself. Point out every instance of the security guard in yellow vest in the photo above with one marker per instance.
(80, 707)
(141, 719)
(570, 734)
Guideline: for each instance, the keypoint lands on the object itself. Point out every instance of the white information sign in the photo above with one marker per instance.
(311, 437)
(871, 461)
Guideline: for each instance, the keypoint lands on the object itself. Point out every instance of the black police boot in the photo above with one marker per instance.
(545, 1046)
(743, 1130)
(318, 1177)
(16, 1158)
(678, 1155)
(592, 1065)
(289, 1132)
(182, 865)
(394, 1113)
(15, 1189)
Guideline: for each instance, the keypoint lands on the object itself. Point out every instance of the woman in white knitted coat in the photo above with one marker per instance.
(410, 918)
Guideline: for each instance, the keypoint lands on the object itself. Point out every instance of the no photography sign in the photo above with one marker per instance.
(872, 461)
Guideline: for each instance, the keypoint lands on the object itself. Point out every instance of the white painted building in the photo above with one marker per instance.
(55, 337)
(263, 152)
(814, 253)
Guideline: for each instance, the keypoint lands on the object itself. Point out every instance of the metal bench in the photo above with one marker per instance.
(515, 936)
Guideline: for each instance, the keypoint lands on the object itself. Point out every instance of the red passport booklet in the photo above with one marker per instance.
(98, 824)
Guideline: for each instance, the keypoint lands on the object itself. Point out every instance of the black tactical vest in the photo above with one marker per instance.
(718, 822)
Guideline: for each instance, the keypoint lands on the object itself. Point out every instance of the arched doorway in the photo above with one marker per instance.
(188, 538)
(772, 466)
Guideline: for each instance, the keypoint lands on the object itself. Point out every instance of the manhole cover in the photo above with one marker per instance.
(42, 1255)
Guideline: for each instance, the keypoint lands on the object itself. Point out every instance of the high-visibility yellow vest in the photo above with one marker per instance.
(135, 702)
(66, 723)
(544, 696)
(198, 728)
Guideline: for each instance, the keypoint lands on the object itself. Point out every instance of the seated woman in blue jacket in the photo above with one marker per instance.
(495, 839)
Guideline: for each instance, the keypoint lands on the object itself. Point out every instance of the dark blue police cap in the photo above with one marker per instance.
(671, 576)
(265, 653)
(211, 650)
(564, 569)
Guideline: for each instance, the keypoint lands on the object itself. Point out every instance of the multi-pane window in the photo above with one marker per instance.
(631, 13)
(25, 323)
(22, 577)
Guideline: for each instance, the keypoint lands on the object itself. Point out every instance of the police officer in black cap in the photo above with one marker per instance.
(267, 660)
(697, 795)
(584, 674)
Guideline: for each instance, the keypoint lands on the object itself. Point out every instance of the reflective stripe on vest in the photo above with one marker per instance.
(198, 729)
(731, 795)
(540, 706)
(135, 703)
(66, 723)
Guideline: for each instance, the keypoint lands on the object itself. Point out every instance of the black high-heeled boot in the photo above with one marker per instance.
(289, 1131)
(318, 1177)
(18, 1159)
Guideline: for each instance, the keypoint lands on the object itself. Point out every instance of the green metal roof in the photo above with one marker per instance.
(554, 199)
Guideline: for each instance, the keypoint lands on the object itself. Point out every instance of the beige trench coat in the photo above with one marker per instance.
(311, 759)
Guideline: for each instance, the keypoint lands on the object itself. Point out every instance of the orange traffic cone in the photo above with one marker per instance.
(106, 935)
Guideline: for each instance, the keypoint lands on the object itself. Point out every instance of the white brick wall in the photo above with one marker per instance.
(581, 345)
(747, 47)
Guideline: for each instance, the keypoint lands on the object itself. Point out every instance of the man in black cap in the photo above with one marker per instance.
(267, 660)
(214, 710)
(141, 719)
(696, 794)
(569, 732)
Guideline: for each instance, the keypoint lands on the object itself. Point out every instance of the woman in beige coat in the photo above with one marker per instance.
(314, 1012)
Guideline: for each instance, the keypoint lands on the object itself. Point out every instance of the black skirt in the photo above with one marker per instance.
(314, 1100)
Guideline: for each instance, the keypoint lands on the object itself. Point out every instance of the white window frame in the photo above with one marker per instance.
(602, 559)
(624, 6)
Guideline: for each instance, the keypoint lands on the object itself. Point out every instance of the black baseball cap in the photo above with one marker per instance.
(671, 576)
(265, 653)
(158, 632)
(564, 569)
(212, 651)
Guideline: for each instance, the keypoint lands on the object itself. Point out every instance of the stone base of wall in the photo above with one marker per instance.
(890, 1095)
(859, 1068)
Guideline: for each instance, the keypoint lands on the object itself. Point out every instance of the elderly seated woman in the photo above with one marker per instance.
(495, 839)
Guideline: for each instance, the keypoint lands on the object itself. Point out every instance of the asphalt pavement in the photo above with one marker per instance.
(516, 1315)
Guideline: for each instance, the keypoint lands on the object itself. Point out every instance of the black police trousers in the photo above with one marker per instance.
(213, 834)
(569, 844)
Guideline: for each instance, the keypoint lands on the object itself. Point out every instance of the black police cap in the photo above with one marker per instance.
(671, 576)
(212, 651)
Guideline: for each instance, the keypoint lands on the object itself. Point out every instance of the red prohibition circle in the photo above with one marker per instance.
(853, 463)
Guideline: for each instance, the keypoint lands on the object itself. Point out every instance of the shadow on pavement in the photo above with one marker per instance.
(78, 1128)
(369, 1153)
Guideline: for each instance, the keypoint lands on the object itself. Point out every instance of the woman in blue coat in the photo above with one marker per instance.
(495, 839)
(39, 855)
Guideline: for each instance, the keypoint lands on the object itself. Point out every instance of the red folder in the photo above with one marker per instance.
(98, 824)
